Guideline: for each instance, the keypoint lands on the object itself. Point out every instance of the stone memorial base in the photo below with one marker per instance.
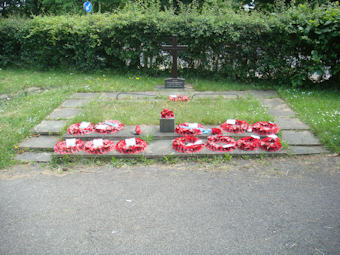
(39, 148)
(167, 125)
(174, 83)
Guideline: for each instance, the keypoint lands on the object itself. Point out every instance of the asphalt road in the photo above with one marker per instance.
(272, 206)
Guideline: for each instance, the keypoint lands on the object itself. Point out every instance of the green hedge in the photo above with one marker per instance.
(286, 47)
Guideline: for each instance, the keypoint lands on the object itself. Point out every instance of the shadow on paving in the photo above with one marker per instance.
(264, 206)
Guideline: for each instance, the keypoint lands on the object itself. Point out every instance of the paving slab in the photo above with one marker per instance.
(195, 96)
(63, 113)
(281, 113)
(34, 156)
(49, 127)
(109, 95)
(85, 95)
(136, 95)
(264, 93)
(272, 102)
(299, 138)
(42, 142)
(307, 150)
(290, 123)
(75, 103)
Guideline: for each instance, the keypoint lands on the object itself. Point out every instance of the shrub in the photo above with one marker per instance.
(285, 47)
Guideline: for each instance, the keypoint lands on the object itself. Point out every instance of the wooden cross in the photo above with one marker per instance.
(174, 48)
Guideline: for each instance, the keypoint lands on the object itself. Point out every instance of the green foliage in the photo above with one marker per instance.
(287, 47)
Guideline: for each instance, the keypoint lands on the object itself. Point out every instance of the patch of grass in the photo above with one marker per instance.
(170, 159)
(20, 115)
(13, 80)
(320, 110)
(205, 111)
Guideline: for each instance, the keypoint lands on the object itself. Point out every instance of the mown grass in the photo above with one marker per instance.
(20, 115)
(320, 109)
(205, 111)
(13, 80)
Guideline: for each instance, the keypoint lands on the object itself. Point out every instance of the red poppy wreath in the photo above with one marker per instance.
(271, 144)
(99, 146)
(108, 127)
(189, 129)
(235, 126)
(265, 128)
(179, 98)
(187, 144)
(221, 143)
(248, 143)
(131, 146)
(82, 128)
(69, 146)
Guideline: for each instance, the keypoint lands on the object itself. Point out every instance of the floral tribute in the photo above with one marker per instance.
(271, 143)
(69, 146)
(216, 131)
(221, 143)
(235, 126)
(99, 146)
(167, 114)
(138, 130)
(265, 128)
(189, 129)
(131, 146)
(179, 98)
(248, 143)
(108, 127)
(187, 144)
(82, 128)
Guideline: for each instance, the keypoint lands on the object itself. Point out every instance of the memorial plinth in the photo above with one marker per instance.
(174, 83)
(167, 125)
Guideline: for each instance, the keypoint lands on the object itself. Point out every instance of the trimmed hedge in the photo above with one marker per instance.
(286, 47)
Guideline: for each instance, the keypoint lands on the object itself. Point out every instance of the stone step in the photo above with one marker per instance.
(307, 150)
(34, 156)
(159, 151)
(43, 143)
(287, 123)
(147, 130)
(49, 127)
(161, 148)
(63, 114)
(302, 138)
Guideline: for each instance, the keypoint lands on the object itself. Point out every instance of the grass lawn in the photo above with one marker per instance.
(320, 109)
(205, 111)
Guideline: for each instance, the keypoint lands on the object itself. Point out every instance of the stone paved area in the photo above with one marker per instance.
(294, 132)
